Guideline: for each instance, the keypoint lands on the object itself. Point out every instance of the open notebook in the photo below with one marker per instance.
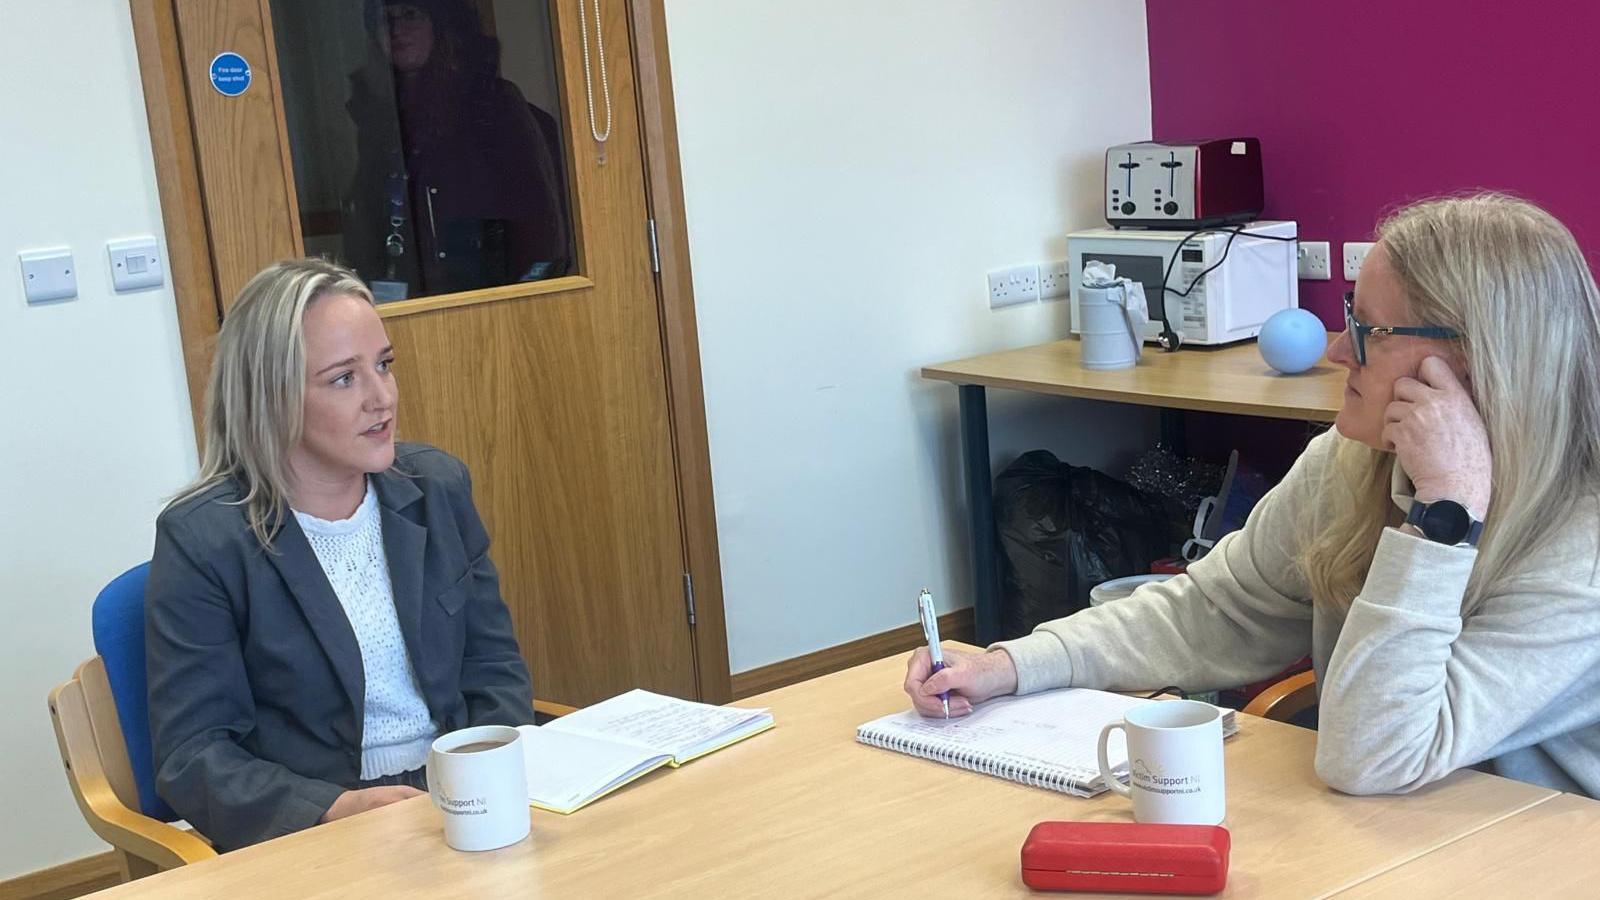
(1047, 740)
(582, 756)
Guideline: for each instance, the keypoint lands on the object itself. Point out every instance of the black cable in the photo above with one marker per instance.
(1170, 339)
(1225, 247)
(1169, 689)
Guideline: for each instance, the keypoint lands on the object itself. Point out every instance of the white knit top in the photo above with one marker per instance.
(396, 729)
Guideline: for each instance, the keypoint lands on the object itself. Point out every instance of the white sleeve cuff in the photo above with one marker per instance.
(1415, 573)
(1041, 660)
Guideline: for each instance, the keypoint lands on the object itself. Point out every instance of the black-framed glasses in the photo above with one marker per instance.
(1359, 330)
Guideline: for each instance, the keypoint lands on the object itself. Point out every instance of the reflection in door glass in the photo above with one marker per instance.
(427, 140)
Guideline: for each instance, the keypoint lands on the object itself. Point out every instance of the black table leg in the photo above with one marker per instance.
(980, 512)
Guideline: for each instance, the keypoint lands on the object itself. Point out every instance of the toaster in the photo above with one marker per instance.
(1184, 184)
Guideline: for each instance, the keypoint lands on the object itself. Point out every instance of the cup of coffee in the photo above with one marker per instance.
(478, 779)
(1174, 763)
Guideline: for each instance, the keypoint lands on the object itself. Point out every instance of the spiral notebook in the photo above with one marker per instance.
(1046, 740)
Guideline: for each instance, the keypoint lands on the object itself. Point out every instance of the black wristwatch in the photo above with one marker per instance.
(1445, 522)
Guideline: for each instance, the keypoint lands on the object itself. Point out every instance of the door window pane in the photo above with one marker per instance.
(427, 140)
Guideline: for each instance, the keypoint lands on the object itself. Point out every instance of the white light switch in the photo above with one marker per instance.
(135, 264)
(48, 274)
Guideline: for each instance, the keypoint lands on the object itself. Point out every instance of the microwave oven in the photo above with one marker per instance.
(1235, 288)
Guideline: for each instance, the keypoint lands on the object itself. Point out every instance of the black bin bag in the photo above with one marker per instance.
(1064, 529)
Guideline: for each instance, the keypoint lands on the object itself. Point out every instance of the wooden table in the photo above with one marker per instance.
(1231, 379)
(805, 811)
(1545, 851)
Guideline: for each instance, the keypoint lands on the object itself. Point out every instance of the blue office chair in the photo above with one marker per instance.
(102, 726)
(118, 624)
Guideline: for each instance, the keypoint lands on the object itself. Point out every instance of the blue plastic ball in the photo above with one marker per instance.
(1293, 340)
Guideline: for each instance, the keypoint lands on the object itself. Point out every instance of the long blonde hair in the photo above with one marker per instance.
(1512, 281)
(255, 399)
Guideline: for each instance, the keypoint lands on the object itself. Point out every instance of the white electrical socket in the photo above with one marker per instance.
(1355, 253)
(1312, 258)
(1009, 287)
(1055, 280)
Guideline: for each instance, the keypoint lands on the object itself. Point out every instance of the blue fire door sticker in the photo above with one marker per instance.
(230, 74)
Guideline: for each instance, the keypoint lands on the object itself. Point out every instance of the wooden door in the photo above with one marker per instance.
(553, 390)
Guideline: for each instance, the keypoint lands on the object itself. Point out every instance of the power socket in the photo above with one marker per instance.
(1355, 253)
(1009, 287)
(1055, 280)
(1312, 257)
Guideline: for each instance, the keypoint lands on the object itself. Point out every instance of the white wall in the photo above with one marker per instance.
(851, 170)
(94, 423)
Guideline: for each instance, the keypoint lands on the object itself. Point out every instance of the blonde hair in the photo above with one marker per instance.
(1510, 279)
(255, 399)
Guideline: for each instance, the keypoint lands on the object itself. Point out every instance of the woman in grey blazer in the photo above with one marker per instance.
(321, 601)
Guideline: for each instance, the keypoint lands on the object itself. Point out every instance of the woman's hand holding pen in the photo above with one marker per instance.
(971, 678)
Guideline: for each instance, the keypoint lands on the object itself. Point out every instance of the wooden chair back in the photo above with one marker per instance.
(1286, 699)
(552, 709)
(95, 757)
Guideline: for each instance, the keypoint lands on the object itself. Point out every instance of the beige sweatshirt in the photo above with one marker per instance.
(1410, 690)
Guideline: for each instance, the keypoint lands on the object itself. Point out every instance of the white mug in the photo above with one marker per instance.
(483, 792)
(1174, 763)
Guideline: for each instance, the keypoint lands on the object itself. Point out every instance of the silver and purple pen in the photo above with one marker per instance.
(930, 630)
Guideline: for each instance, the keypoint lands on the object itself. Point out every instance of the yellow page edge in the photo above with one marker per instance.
(675, 763)
(621, 784)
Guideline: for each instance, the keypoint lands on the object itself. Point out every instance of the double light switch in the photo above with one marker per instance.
(135, 264)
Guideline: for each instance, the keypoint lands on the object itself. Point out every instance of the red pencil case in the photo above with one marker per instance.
(1125, 857)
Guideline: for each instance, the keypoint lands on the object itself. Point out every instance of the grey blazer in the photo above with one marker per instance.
(255, 675)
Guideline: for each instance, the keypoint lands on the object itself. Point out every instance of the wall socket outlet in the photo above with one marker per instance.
(1312, 258)
(1355, 253)
(1009, 287)
(1055, 280)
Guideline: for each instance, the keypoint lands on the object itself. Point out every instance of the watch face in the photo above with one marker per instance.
(1446, 521)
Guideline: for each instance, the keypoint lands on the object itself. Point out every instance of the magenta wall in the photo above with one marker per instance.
(1361, 106)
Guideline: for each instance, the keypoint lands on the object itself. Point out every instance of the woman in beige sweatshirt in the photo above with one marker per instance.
(1437, 553)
